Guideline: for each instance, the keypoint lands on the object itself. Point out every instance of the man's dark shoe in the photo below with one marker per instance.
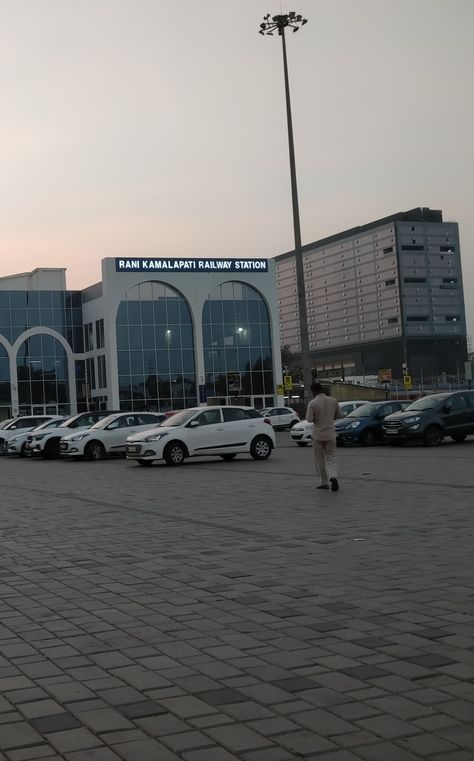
(334, 484)
(323, 486)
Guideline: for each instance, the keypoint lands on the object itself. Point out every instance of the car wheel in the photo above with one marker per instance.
(22, 452)
(3, 448)
(145, 462)
(261, 448)
(459, 437)
(302, 443)
(51, 450)
(174, 453)
(228, 457)
(368, 439)
(94, 450)
(433, 436)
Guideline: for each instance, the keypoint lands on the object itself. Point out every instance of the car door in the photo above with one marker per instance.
(455, 414)
(115, 435)
(240, 428)
(206, 433)
(273, 416)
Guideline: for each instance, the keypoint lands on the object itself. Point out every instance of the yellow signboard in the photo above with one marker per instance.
(280, 389)
(288, 383)
(407, 382)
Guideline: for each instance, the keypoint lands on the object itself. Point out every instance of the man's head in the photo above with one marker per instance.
(316, 388)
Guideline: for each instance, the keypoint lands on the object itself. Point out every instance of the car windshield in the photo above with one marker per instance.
(103, 422)
(428, 403)
(367, 410)
(179, 419)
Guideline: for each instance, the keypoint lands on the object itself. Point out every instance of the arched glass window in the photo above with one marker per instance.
(5, 391)
(42, 372)
(155, 349)
(237, 342)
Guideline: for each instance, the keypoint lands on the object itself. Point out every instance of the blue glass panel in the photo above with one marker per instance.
(162, 359)
(148, 337)
(4, 318)
(149, 359)
(188, 361)
(18, 299)
(4, 369)
(33, 317)
(5, 300)
(147, 313)
(57, 299)
(125, 390)
(123, 359)
(187, 341)
(136, 362)
(19, 318)
(228, 311)
(32, 299)
(217, 335)
(241, 312)
(24, 392)
(45, 299)
(173, 312)
(122, 316)
(184, 313)
(134, 313)
(206, 313)
(176, 361)
(257, 383)
(216, 312)
(231, 359)
(122, 337)
(160, 312)
(253, 311)
(135, 336)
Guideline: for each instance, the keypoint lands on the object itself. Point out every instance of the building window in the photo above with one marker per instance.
(89, 336)
(390, 282)
(101, 371)
(414, 280)
(392, 320)
(418, 318)
(90, 369)
(99, 334)
(42, 370)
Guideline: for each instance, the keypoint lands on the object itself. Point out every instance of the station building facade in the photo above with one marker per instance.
(154, 334)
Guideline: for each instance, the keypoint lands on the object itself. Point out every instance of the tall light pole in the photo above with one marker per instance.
(270, 25)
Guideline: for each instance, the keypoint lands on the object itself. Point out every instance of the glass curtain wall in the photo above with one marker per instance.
(5, 389)
(237, 343)
(42, 373)
(155, 350)
(59, 310)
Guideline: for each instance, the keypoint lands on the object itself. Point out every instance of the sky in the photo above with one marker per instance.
(150, 128)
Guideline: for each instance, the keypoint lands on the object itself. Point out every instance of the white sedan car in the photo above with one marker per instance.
(281, 417)
(203, 431)
(109, 435)
(19, 444)
(301, 433)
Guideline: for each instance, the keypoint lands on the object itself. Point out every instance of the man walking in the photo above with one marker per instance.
(322, 411)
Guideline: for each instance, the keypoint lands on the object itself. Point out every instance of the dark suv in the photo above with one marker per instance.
(432, 418)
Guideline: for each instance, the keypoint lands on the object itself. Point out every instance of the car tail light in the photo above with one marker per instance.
(267, 420)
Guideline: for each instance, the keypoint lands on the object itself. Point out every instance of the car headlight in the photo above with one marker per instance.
(39, 437)
(409, 420)
(355, 424)
(155, 437)
(79, 437)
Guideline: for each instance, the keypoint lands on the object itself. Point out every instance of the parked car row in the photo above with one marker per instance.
(302, 432)
(146, 437)
(428, 420)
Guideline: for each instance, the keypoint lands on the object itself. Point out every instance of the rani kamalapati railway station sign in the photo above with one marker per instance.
(191, 265)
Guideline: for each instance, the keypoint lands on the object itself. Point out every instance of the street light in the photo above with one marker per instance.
(278, 24)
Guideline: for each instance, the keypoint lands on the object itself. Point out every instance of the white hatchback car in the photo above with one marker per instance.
(203, 431)
(19, 445)
(108, 436)
(18, 425)
(281, 417)
(302, 432)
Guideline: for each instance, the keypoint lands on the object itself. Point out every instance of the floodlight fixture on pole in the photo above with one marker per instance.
(271, 24)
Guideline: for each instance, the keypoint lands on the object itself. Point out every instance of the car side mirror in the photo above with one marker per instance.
(447, 408)
(193, 424)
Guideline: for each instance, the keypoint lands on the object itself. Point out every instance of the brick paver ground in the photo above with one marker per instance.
(227, 611)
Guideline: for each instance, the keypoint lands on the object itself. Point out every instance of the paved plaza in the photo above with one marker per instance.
(225, 611)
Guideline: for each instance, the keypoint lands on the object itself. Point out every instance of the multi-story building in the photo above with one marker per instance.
(154, 333)
(387, 294)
